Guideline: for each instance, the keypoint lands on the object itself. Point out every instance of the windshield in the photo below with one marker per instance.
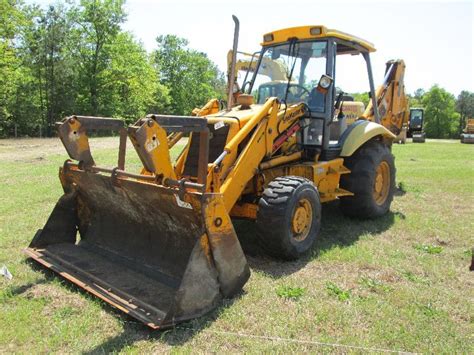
(291, 72)
(416, 118)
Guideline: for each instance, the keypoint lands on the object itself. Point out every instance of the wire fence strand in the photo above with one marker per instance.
(298, 341)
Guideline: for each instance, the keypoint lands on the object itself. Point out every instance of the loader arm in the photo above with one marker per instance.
(266, 131)
(391, 99)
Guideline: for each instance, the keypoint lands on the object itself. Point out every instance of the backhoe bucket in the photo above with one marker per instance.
(162, 254)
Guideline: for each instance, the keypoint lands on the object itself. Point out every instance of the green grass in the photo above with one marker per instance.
(290, 292)
(339, 293)
(400, 282)
(430, 249)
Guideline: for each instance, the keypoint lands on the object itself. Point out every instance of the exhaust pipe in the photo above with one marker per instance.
(234, 59)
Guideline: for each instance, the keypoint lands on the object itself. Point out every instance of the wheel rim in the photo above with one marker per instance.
(302, 219)
(382, 183)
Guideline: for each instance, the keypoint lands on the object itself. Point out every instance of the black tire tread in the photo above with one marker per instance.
(271, 215)
(362, 165)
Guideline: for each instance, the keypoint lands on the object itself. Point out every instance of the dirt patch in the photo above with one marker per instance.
(37, 149)
(57, 297)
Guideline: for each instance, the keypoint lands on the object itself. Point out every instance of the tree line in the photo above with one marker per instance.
(445, 115)
(75, 58)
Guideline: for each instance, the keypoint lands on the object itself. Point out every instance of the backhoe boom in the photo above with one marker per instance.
(391, 99)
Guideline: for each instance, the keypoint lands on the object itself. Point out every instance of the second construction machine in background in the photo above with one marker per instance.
(467, 136)
(416, 124)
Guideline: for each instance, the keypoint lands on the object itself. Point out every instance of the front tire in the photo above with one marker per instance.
(289, 217)
(372, 180)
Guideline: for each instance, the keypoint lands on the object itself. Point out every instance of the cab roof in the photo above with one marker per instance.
(314, 32)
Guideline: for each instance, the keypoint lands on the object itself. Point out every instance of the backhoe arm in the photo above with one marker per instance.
(391, 99)
(271, 68)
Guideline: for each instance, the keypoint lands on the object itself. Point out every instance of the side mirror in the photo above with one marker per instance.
(324, 83)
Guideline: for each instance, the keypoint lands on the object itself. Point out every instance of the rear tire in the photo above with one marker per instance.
(289, 217)
(372, 180)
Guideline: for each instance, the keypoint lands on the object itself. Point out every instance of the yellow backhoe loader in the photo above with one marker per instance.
(159, 244)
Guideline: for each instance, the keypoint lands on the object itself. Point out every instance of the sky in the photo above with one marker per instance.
(434, 38)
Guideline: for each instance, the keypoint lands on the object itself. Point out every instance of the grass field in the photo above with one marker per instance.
(401, 282)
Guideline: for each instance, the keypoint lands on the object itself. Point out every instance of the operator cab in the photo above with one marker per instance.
(307, 57)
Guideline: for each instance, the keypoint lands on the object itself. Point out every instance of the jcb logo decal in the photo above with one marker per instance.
(294, 114)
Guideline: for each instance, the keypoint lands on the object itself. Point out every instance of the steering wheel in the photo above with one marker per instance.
(303, 90)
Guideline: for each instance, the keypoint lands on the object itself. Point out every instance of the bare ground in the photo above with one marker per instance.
(31, 149)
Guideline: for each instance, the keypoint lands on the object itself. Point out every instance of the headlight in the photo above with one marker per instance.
(268, 37)
(315, 31)
(325, 82)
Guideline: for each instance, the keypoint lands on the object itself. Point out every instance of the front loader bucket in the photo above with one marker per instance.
(161, 254)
